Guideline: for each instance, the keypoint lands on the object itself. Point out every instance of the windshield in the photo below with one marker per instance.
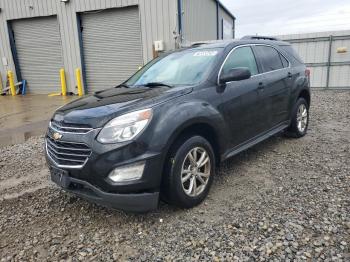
(187, 67)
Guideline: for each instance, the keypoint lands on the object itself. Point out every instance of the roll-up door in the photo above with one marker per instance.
(39, 53)
(112, 46)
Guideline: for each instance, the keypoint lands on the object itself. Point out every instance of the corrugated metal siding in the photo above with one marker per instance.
(223, 15)
(70, 41)
(340, 75)
(318, 76)
(158, 22)
(199, 20)
(15, 9)
(112, 46)
(5, 49)
(39, 53)
(315, 51)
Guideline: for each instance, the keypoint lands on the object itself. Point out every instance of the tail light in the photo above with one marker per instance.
(307, 73)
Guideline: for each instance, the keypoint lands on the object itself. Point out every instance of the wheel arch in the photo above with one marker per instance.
(201, 128)
(305, 93)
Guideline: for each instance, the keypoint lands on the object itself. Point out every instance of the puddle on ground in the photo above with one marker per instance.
(18, 138)
(21, 134)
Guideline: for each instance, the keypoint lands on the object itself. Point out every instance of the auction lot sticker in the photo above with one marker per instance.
(205, 53)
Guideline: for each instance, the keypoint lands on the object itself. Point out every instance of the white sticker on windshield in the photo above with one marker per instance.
(206, 53)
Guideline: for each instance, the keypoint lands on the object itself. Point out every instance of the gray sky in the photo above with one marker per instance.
(277, 17)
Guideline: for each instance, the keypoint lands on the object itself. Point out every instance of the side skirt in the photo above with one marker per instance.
(256, 140)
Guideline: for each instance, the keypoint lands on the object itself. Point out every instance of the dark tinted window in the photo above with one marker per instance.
(270, 58)
(284, 61)
(241, 57)
(290, 50)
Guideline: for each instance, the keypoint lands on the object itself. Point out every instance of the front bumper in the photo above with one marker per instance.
(142, 202)
(91, 181)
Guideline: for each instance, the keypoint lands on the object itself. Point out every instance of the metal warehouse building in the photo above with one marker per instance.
(107, 39)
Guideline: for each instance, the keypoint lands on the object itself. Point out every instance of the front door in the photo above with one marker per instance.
(240, 99)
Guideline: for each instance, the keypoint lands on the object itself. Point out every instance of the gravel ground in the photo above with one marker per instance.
(284, 199)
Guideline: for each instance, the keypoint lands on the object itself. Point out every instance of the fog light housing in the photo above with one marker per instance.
(127, 173)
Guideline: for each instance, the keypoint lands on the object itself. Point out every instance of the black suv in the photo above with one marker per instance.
(161, 133)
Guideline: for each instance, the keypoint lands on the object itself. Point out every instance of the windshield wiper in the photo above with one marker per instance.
(123, 85)
(155, 84)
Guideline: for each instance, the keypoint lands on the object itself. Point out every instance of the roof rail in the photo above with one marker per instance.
(198, 44)
(207, 42)
(259, 37)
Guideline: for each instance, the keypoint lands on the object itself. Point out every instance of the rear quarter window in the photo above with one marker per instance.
(284, 61)
(290, 50)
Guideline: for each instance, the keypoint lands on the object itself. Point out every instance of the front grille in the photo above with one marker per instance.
(67, 153)
(70, 128)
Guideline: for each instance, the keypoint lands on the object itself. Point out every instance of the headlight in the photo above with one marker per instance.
(125, 127)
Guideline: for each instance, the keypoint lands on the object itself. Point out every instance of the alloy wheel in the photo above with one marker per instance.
(302, 118)
(195, 171)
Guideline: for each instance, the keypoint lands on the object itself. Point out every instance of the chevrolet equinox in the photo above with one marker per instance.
(162, 133)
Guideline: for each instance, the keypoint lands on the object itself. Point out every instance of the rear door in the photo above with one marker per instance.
(278, 80)
(241, 106)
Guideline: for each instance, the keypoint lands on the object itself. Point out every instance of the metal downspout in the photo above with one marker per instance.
(217, 21)
(329, 60)
(179, 19)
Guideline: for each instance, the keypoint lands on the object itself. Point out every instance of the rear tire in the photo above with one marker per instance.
(300, 119)
(189, 172)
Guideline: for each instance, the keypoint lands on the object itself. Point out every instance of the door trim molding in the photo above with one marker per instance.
(251, 46)
(255, 140)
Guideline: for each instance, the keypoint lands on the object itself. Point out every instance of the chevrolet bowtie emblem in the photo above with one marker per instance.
(57, 136)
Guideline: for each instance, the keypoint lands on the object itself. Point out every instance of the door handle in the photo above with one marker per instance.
(261, 86)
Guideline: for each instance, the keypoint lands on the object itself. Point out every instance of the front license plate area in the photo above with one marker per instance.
(60, 177)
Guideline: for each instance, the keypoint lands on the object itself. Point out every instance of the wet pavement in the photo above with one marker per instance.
(22, 117)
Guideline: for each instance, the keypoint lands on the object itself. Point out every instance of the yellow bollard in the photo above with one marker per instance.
(79, 82)
(63, 82)
(12, 82)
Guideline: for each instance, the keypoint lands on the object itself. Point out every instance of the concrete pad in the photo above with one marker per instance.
(22, 117)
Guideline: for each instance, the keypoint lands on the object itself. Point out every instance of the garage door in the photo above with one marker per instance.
(112, 46)
(39, 53)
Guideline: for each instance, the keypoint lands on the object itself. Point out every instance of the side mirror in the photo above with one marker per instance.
(235, 74)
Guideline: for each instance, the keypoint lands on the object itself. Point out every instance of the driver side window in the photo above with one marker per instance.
(241, 57)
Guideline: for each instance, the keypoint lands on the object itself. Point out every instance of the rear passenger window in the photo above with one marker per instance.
(270, 58)
(241, 57)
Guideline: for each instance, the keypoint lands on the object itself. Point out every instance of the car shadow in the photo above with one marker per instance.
(164, 209)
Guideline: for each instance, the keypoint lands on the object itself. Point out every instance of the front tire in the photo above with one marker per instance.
(189, 171)
(300, 119)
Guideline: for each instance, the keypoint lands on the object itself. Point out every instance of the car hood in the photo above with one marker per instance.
(96, 110)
